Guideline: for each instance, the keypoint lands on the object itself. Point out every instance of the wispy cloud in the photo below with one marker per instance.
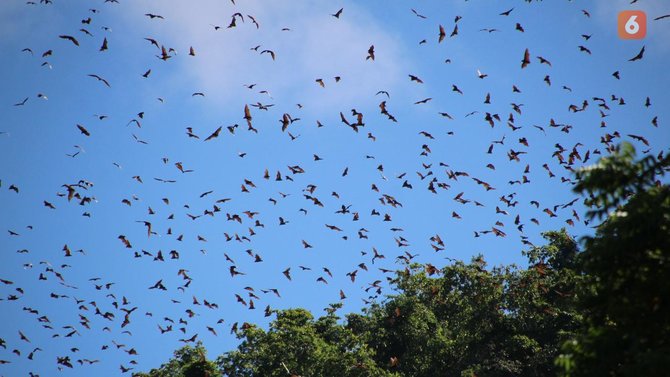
(316, 45)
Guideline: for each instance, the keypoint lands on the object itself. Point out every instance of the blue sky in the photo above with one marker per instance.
(38, 136)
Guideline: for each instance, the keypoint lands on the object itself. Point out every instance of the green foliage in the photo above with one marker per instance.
(601, 312)
(298, 344)
(617, 177)
(464, 320)
(625, 299)
(187, 362)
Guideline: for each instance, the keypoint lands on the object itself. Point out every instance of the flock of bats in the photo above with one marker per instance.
(110, 310)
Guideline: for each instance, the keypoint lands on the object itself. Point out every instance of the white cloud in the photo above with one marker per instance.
(317, 46)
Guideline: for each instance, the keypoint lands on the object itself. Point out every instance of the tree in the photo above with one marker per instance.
(462, 320)
(543, 302)
(297, 345)
(187, 362)
(474, 321)
(625, 296)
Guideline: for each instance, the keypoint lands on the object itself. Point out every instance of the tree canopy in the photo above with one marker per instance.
(464, 319)
(624, 299)
(602, 310)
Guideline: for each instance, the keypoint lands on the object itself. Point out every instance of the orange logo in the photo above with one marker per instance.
(632, 24)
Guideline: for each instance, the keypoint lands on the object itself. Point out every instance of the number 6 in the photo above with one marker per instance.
(632, 27)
